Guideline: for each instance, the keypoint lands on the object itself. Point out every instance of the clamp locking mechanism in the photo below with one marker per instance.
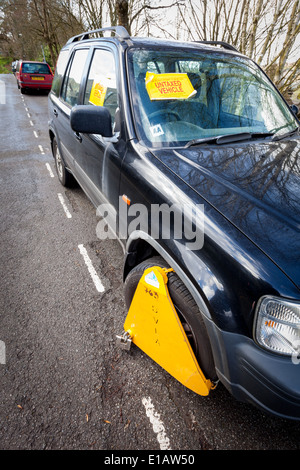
(124, 341)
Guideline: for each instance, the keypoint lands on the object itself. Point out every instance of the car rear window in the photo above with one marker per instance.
(35, 68)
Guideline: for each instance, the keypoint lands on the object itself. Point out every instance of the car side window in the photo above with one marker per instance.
(101, 87)
(59, 71)
(71, 86)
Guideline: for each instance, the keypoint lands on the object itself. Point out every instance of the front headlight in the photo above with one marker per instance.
(277, 325)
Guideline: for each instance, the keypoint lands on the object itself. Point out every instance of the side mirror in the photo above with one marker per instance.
(90, 119)
(295, 109)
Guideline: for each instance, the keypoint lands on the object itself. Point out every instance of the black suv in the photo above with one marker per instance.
(155, 129)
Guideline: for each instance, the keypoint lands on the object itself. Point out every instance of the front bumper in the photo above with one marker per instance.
(268, 381)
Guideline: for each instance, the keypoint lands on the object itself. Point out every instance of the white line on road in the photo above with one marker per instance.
(98, 284)
(31, 123)
(35, 134)
(157, 424)
(41, 150)
(62, 201)
(2, 353)
(2, 92)
(28, 115)
(49, 169)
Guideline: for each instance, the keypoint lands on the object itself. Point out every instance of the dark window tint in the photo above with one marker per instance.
(59, 71)
(71, 86)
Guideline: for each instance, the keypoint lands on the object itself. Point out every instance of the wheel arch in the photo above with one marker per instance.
(141, 246)
(52, 137)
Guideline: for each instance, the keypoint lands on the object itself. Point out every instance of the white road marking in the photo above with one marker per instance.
(157, 424)
(62, 201)
(41, 150)
(2, 92)
(2, 353)
(35, 134)
(96, 280)
(31, 123)
(28, 115)
(49, 169)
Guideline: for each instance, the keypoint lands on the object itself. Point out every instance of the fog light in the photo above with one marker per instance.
(277, 325)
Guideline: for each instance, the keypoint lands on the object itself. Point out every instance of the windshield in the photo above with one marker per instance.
(182, 95)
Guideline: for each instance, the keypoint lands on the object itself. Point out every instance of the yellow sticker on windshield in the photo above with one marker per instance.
(98, 93)
(166, 86)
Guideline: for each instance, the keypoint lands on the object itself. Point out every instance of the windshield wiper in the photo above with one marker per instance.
(287, 134)
(228, 138)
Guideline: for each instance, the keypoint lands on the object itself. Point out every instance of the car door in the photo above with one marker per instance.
(69, 97)
(97, 158)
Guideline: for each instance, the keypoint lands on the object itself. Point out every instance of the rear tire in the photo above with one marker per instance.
(65, 178)
(187, 310)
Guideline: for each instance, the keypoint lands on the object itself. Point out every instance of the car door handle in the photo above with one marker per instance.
(55, 112)
(78, 136)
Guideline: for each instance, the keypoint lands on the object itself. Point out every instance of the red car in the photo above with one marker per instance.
(33, 75)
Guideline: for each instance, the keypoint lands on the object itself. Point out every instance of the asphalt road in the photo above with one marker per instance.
(64, 383)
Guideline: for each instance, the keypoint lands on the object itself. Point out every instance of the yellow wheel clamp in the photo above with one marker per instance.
(153, 325)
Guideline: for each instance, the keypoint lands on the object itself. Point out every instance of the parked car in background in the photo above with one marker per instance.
(14, 66)
(33, 76)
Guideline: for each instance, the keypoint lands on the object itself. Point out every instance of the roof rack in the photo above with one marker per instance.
(120, 32)
(220, 43)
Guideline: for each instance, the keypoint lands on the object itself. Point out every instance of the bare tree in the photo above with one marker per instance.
(138, 15)
(266, 30)
(91, 13)
(29, 24)
(54, 22)
(14, 40)
(122, 11)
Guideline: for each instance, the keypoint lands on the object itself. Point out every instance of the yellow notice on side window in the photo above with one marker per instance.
(98, 93)
(166, 86)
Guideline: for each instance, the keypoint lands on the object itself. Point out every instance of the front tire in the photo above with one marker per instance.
(186, 308)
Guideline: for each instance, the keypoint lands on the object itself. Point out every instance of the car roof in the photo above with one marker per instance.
(122, 37)
(33, 62)
(212, 46)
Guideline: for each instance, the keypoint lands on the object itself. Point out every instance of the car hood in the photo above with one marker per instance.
(256, 186)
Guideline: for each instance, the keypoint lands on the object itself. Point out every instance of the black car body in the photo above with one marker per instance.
(245, 276)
